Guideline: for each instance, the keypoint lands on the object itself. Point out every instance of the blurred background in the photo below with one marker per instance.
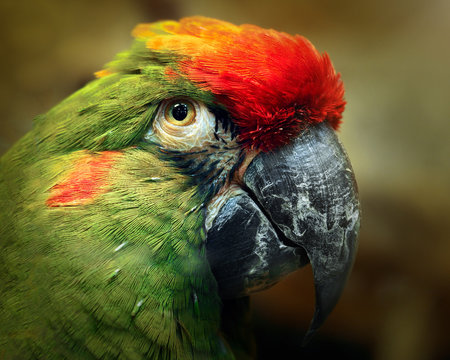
(394, 57)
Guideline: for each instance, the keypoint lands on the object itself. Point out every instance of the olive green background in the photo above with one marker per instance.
(394, 57)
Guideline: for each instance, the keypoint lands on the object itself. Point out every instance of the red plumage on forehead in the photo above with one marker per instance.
(273, 84)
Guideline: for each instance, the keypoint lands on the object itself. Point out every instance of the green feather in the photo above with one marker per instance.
(122, 277)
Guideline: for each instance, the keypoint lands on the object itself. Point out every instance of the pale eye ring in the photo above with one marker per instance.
(180, 112)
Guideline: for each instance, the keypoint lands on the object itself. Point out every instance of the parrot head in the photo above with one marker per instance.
(202, 165)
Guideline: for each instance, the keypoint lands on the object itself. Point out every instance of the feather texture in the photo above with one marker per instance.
(102, 243)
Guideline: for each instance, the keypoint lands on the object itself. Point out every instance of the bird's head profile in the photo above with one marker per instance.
(201, 165)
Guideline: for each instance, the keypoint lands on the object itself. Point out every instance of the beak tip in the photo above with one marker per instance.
(329, 285)
(308, 336)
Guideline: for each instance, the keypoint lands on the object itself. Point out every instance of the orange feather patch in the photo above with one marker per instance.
(102, 73)
(87, 180)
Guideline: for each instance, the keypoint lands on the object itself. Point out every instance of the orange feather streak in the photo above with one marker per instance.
(87, 180)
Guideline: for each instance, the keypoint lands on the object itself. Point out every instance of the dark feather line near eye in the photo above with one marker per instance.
(183, 153)
(134, 72)
(223, 118)
(184, 164)
(237, 165)
(230, 148)
(195, 169)
(205, 171)
(208, 172)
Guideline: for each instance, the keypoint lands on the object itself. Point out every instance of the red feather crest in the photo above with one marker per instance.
(273, 84)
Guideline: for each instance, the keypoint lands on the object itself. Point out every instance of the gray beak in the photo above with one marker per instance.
(299, 204)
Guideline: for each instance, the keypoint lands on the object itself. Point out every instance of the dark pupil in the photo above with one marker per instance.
(180, 111)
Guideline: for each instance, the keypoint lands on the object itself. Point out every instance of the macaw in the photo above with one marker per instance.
(139, 214)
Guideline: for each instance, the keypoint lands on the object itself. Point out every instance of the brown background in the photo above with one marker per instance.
(394, 57)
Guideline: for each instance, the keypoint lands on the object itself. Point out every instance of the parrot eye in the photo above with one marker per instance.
(180, 112)
(183, 124)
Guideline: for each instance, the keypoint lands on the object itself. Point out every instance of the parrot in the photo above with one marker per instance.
(199, 166)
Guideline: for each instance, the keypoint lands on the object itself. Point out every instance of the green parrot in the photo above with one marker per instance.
(200, 166)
